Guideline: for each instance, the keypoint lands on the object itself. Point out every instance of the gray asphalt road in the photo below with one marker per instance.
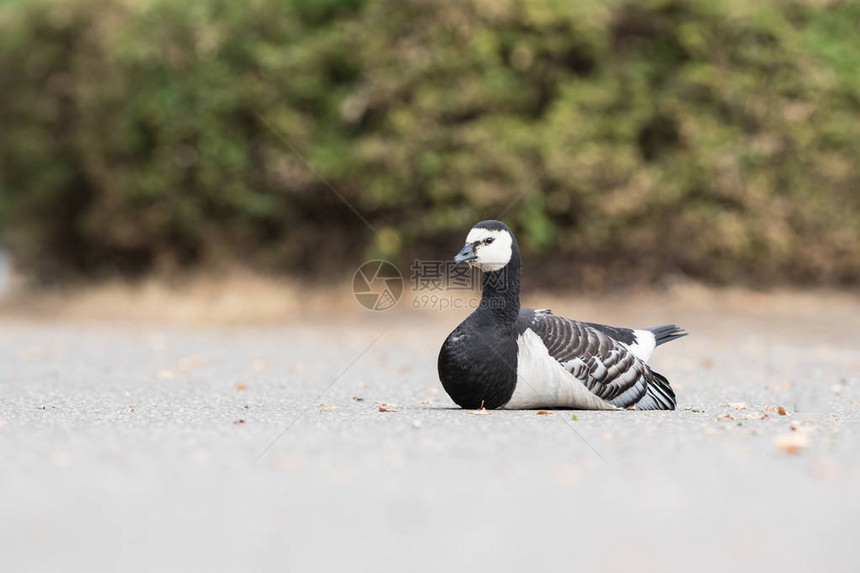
(132, 447)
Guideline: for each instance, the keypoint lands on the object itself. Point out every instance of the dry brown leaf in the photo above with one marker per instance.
(781, 411)
(189, 362)
(825, 470)
(754, 416)
(383, 409)
(792, 443)
(725, 417)
(297, 368)
(258, 365)
(241, 387)
(480, 412)
(543, 413)
(239, 421)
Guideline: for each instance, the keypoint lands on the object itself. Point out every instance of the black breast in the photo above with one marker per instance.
(478, 365)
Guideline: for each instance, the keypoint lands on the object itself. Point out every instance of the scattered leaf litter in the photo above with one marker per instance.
(792, 443)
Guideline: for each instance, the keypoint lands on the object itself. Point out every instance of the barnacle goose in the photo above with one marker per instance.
(504, 356)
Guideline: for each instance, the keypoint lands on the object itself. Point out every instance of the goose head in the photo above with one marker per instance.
(490, 246)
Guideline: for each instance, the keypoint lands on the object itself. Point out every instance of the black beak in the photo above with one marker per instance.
(467, 254)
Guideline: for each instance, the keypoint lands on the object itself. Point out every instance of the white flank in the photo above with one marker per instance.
(645, 344)
(543, 383)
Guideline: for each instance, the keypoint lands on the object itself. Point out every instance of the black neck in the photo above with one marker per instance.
(500, 299)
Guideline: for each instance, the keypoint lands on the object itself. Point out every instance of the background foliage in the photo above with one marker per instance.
(715, 138)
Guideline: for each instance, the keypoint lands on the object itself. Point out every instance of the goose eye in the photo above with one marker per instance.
(489, 240)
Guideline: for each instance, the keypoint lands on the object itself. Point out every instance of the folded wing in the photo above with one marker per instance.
(605, 365)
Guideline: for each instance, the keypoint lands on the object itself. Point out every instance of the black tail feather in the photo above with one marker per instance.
(658, 396)
(667, 333)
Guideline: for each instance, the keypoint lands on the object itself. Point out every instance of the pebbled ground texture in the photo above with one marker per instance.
(153, 447)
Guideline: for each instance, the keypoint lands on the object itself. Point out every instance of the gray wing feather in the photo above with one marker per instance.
(606, 367)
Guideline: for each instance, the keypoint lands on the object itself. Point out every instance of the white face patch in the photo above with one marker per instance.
(492, 256)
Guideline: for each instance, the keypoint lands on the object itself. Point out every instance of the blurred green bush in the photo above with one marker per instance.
(713, 138)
